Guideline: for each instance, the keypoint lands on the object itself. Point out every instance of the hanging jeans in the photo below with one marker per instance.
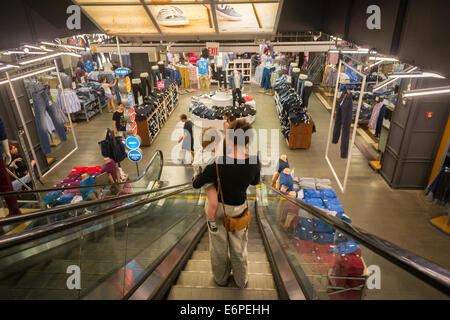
(156, 75)
(42, 102)
(342, 123)
(265, 82)
(137, 88)
(237, 96)
(222, 77)
(204, 83)
(380, 121)
(116, 92)
(146, 86)
(6, 186)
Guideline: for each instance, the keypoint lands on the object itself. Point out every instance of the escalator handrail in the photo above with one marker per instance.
(69, 207)
(430, 272)
(157, 152)
(55, 227)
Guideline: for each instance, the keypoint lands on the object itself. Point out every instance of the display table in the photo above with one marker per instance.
(220, 99)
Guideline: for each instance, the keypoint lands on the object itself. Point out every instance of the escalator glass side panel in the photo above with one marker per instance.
(58, 198)
(69, 191)
(331, 265)
(110, 255)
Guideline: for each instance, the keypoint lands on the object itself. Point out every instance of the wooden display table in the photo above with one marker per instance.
(300, 136)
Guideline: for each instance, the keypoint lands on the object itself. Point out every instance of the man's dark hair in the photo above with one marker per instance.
(183, 117)
(231, 118)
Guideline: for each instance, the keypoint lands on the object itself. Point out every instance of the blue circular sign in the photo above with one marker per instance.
(122, 71)
(135, 155)
(132, 143)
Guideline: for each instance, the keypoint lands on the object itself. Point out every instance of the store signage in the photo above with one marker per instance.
(429, 115)
(135, 155)
(130, 99)
(132, 114)
(132, 143)
(128, 84)
(134, 128)
(160, 84)
(213, 48)
(122, 71)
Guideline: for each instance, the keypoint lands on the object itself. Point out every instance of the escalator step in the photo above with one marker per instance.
(251, 248)
(206, 280)
(251, 241)
(252, 256)
(205, 265)
(190, 293)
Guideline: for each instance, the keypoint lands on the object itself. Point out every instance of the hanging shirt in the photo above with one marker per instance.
(107, 66)
(89, 66)
(3, 136)
(202, 67)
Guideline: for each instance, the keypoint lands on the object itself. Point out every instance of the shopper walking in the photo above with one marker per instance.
(187, 139)
(237, 170)
(5, 181)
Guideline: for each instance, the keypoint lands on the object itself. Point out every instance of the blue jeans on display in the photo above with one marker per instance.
(380, 121)
(265, 82)
(42, 102)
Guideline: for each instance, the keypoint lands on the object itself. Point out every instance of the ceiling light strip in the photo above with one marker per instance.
(49, 56)
(63, 45)
(388, 81)
(28, 75)
(428, 91)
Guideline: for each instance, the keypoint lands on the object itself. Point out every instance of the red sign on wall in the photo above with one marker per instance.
(132, 115)
(429, 115)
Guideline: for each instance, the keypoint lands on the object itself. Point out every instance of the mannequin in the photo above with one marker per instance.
(300, 84)
(295, 73)
(307, 88)
(343, 121)
(203, 73)
(137, 88)
(5, 180)
(161, 68)
(156, 75)
(145, 83)
(292, 66)
(221, 62)
(236, 84)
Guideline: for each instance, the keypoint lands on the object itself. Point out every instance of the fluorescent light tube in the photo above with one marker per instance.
(423, 92)
(62, 45)
(382, 59)
(416, 75)
(29, 75)
(49, 56)
(14, 52)
(9, 66)
(381, 85)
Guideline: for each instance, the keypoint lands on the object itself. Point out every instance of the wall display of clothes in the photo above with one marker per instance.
(91, 97)
(328, 252)
(296, 123)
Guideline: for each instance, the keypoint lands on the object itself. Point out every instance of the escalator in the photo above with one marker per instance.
(154, 245)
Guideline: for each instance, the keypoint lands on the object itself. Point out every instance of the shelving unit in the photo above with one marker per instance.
(242, 65)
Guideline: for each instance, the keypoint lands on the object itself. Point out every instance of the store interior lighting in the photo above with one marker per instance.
(29, 75)
(415, 75)
(63, 46)
(49, 56)
(8, 66)
(359, 51)
(9, 52)
(46, 49)
(424, 92)
(389, 81)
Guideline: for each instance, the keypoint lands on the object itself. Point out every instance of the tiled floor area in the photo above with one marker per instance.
(400, 216)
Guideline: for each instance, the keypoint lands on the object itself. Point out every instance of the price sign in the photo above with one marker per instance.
(134, 128)
(160, 84)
